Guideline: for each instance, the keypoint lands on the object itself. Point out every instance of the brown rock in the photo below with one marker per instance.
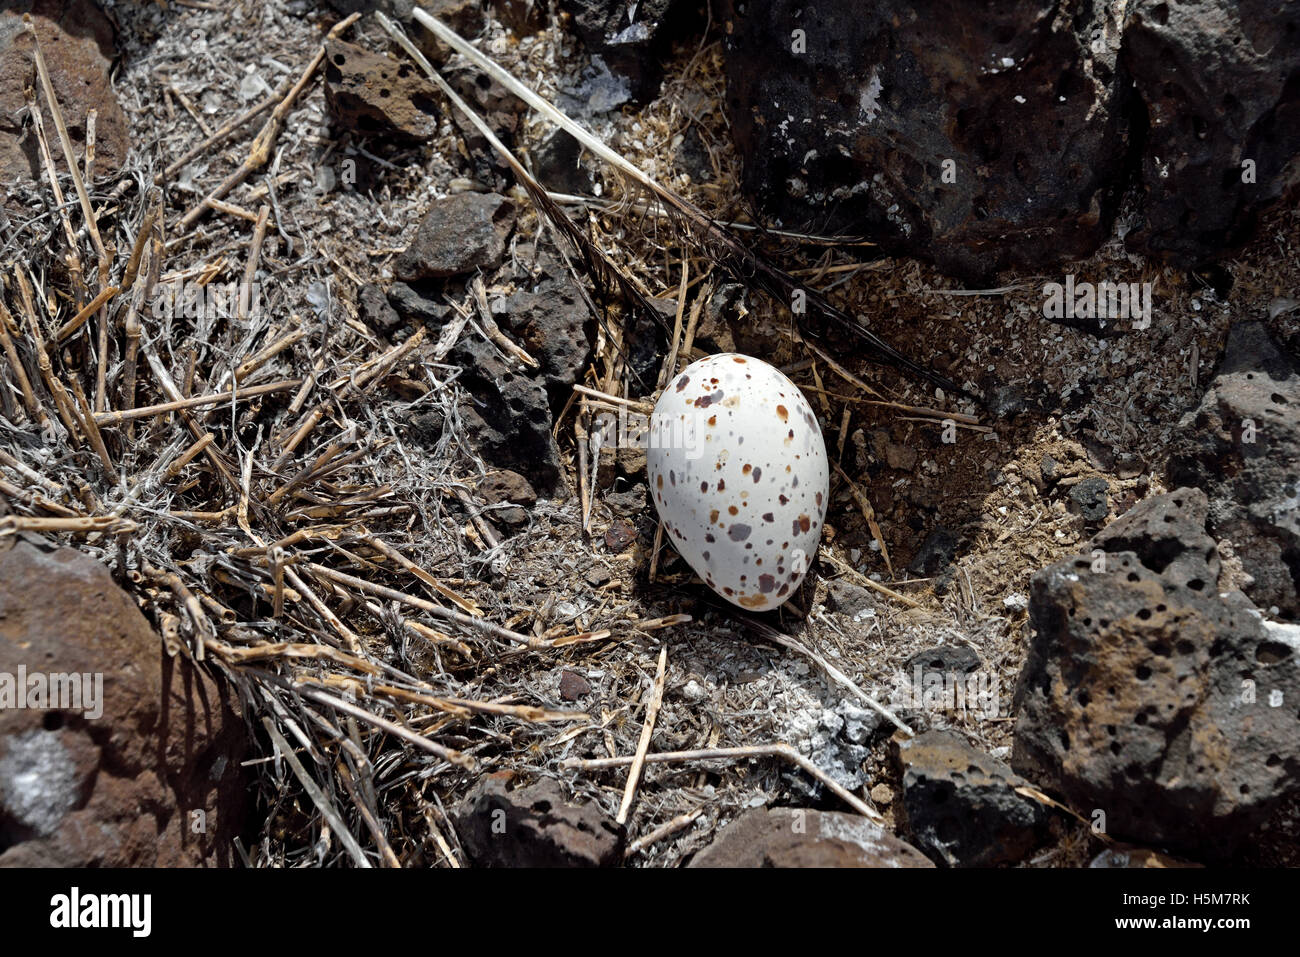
(506, 486)
(154, 780)
(794, 837)
(77, 40)
(375, 96)
(573, 686)
(534, 827)
(620, 535)
(508, 494)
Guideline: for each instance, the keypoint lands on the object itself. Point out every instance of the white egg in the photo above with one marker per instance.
(739, 475)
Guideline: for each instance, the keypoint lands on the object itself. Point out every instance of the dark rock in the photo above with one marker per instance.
(553, 324)
(1091, 499)
(499, 108)
(1218, 81)
(633, 39)
(375, 312)
(1149, 698)
(1008, 401)
(397, 9)
(508, 416)
(960, 806)
(425, 428)
(573, 685)
(693, 157)
(466, 17)
(1167, 534)
(556, 164)
(1049, 469)
(534, 827)
(77, 40)
(854, 128)
(848, 598)
(956, 660)
(154, 779)
(794, 837)
(459, 234)
(1242, 446)
(646, 345)
(372, 95)
(936, 553)
(629, 503)
(506, 486)
(419, 303)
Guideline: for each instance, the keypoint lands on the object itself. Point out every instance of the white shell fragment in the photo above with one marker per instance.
(738, 472)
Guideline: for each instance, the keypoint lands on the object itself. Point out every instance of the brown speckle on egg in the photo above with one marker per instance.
(766, 583)
(783, 412)
(769, 517)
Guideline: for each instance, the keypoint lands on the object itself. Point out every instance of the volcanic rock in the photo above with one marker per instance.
(150, 775)
(534, 827)
(1150, 702)
(960, 805)
(459, 234)
(1220, 83)
(1242, 446)
(976, 136)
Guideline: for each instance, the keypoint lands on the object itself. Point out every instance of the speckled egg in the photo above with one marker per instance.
(738, 472)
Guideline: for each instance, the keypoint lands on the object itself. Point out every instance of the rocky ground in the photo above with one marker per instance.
(1052, 627)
